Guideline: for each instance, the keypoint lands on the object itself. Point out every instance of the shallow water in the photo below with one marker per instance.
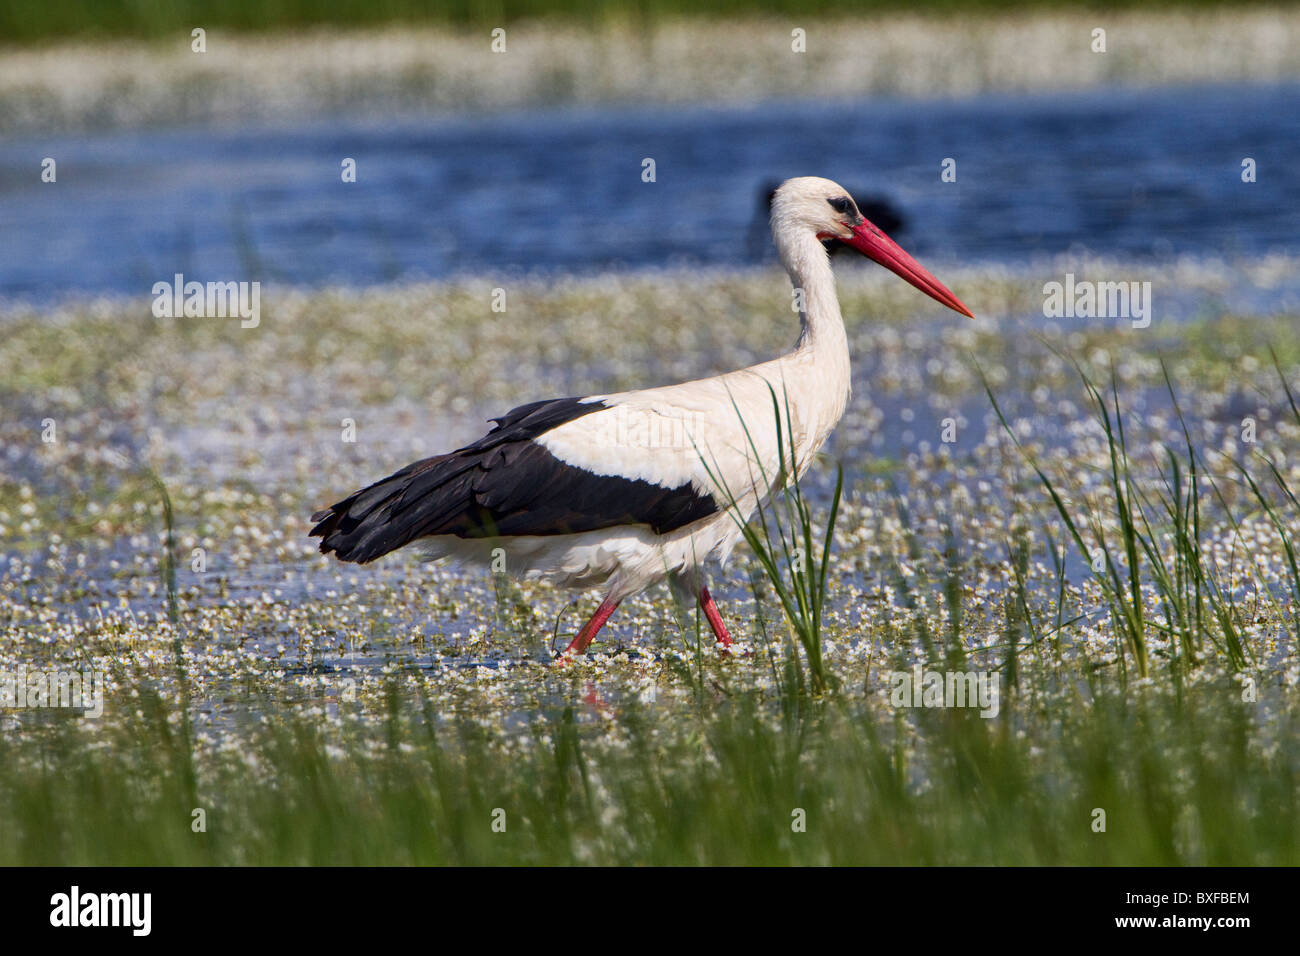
(1144, 176)
(1132, 174)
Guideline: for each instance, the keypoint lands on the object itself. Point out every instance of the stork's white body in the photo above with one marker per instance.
(718, 434)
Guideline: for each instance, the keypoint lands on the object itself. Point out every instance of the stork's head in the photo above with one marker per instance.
(810, 205)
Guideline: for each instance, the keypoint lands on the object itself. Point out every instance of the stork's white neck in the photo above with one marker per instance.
(822, 326)
(822, 352)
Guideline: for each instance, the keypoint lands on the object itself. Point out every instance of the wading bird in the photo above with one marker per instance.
(624, 490)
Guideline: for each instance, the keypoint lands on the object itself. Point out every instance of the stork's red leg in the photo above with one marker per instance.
(715, 619)
(588, 632)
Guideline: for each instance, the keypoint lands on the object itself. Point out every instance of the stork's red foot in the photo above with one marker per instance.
(715, 619)
(589, 630)
(583, 640)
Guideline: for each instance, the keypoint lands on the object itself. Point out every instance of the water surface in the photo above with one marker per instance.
(1135, 174)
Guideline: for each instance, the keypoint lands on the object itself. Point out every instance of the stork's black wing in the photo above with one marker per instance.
(503, 484)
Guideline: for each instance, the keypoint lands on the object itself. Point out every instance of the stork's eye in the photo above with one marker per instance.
(842, 205)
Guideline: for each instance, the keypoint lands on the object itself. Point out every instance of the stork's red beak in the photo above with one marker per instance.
(874, 244)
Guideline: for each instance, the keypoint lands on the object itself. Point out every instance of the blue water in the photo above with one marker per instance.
(1131, 173)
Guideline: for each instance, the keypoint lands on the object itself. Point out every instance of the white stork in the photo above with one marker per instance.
(627, 489)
